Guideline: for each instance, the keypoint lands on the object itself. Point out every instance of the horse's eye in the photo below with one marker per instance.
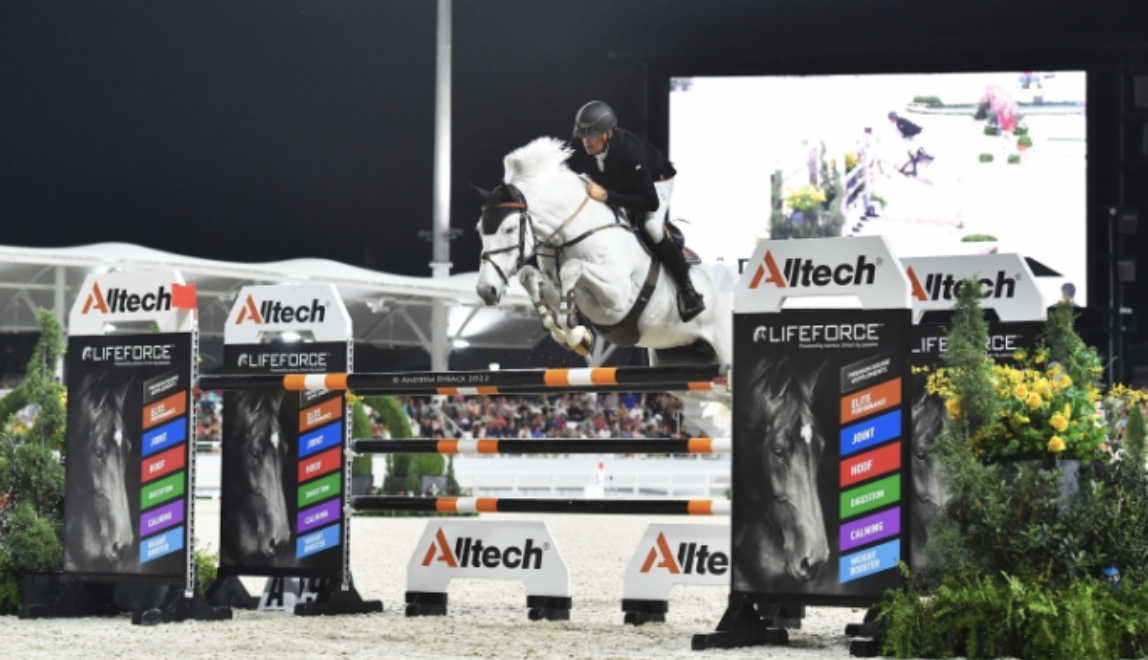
(510, 230)
(778, 451)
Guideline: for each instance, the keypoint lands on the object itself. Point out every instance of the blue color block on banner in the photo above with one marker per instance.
(161, 544)
(870, 432)
(324, 539)
(329, 436)
(869, 561)
(162, 437)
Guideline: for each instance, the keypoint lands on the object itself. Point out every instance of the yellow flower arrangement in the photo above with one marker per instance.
(806, 198)
(1043, 413)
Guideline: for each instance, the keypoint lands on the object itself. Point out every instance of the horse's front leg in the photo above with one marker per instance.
(537, 288)
(595, 281)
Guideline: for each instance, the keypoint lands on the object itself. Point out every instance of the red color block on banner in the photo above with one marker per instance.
(871, 463)
(164, 463)
(183, 296)
(320, 464)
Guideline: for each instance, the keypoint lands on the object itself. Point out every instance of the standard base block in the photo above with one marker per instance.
(746, 623)
(640, 612)
(75, 601)
(331, 599)
(425, 603)
(866, 642)
(548, 608)
(177, 608)
(228, 591)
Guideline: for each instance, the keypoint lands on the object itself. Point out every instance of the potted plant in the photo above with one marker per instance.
(1042, 409)
(32, 477)
(804, 203)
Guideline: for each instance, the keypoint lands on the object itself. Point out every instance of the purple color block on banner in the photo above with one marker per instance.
(871, 528)
(317, 516)
(161, 518)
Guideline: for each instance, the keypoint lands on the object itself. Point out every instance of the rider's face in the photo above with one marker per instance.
(596, 145)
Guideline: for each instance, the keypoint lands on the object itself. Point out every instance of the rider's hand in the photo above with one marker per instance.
(595, 191)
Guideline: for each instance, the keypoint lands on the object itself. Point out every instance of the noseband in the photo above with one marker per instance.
(506, 199)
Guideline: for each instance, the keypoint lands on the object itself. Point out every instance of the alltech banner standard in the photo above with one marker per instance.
(820, 502)
(1012, 296)
(130, 421)
(284, 462)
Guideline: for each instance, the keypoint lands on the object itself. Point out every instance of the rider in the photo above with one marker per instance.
(627, 172)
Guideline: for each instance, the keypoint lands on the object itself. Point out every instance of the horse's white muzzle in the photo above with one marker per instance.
(491, 294)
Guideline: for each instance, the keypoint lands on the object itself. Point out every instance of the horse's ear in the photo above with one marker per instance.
(809, 382)
(484, 193)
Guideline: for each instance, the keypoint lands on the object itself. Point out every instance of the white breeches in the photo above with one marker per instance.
(654, 222)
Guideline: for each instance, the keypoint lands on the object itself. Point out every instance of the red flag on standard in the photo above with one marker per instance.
(183, 296)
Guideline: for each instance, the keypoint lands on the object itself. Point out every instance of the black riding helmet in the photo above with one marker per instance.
(594, 119)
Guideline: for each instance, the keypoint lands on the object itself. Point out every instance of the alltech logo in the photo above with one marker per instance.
(804, 272)
(275, 311)
(691, 558)
(945, 286)
(470, 552)
(121, 301)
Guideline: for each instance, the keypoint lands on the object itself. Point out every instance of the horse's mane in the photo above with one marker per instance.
(542, 157)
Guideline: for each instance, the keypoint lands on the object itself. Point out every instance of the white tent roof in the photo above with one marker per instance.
(387, 310)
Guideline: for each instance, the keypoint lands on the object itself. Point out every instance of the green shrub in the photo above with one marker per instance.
(978, 238)
(1024, 141)
(991, 130)
(986, 158)
(1020, 129)
(361, 428)
(206, 568)
(1013, 159)
(930, 101)
(12, 402)
(9, 590)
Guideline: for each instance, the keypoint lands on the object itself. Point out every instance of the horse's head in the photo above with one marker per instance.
(511, 228)
(508, 240)
(259, 485)
(790, 458)
(101, 472)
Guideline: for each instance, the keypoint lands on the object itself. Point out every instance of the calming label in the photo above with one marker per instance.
(871, 464)
(324, 413)
(870, 433)
(162, 411)
(163, 437)
(871, 401)
(163, 464)
(164, 544)
(317, 466)
(871, 496)
(871, 528)
(328, 436)
(324, 539)
(879, 558)
(161, 518)
(315, 491)
(324, 514)
(161, 491)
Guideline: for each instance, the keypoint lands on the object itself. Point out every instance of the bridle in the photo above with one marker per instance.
(506, 199)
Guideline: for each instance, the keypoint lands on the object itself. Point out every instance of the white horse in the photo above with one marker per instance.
(578, 261)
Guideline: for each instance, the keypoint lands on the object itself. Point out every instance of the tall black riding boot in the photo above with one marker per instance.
(690, 302)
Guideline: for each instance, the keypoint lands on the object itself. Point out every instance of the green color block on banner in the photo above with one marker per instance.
(320, 489)
(161, 491)
(870, 496)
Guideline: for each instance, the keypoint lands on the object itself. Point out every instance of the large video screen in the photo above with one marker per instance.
(941, 164)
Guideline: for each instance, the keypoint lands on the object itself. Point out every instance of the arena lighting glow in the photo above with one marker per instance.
(290, 336)
(971, 181)
(460, 343)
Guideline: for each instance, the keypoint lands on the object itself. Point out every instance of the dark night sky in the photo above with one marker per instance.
(257, 130)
